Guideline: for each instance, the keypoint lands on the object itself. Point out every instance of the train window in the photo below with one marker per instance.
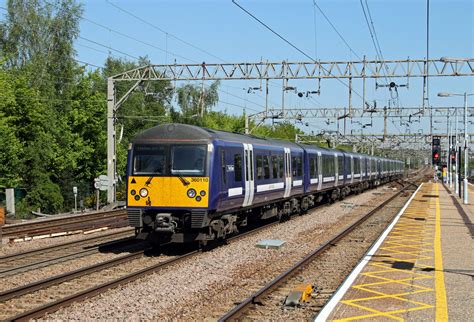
(297, 167)
(328, 166)
(149, 159)
(237, 167)
(281, 166)
(340, 164)
(259, 167)
(224, 172)
(357, 165)
(266, 166)
(188, 159)
(312, 167)
(275, 166)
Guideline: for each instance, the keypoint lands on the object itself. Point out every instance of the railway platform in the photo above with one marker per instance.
(420, 269)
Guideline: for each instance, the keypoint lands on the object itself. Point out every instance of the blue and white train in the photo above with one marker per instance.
(186, 183)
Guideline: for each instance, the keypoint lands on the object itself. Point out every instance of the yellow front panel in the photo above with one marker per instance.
(168, 192)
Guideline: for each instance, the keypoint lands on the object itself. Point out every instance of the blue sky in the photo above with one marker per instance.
(221, 28)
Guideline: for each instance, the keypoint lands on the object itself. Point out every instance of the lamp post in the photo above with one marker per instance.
(466, 142)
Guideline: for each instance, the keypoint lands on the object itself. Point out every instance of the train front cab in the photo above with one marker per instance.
(169, 188)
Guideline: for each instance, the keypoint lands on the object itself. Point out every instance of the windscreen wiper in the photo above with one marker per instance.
(184, 181)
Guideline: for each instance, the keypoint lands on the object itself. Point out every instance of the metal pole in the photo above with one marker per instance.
(456, 183)
(459, 172)
(283, 98)
(466, 152)
(75, 203)
(247, 129)
(266, 97)
(448, 157)
(111, 162)
(451, 143)
(97, 197)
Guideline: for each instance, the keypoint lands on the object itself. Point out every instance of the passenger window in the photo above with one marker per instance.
(296, 166)
(266, 166)
(312, 167)
(340, 165)
(259, 167)
(275, 166)
(281, 166)
(238, 168)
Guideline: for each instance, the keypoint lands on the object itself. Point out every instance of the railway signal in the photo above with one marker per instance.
(436, 150)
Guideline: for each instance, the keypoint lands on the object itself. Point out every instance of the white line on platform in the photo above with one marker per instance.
(332, 303)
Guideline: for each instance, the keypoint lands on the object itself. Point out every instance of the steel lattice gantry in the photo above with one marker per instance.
(270, 70)
(303, 70)
(337, 112)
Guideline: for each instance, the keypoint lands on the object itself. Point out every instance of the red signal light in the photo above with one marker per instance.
(436, 155)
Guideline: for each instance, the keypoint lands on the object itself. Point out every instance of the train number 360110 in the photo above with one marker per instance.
(200, 179)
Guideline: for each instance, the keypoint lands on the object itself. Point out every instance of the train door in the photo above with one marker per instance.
(336, 172)
(249, 175)
(287, 173)
(320, 171)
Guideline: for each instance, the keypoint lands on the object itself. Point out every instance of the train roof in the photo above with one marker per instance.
(177, 132)
(191, 133)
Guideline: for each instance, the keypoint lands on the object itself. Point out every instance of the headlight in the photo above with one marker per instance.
(202, 193)
(191, 193)
(198, 198)
(133, 192)
(143, 192)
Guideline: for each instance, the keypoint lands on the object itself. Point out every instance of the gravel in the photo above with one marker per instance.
(7, 248)
(209, 284)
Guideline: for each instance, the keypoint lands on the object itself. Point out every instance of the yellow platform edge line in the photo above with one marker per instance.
(441, 301)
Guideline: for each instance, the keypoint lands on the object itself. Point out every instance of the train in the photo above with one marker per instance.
(191, 184)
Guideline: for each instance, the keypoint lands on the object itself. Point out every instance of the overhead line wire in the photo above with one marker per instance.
(335, 29)
(378, 51)
(108, 47)
(162, 30)
(273, 31)
(137, 40)
(299, 50)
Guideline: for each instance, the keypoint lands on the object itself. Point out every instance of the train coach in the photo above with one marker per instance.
(191, 184)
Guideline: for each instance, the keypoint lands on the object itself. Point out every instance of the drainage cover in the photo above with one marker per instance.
(270, 243)
(403, 265)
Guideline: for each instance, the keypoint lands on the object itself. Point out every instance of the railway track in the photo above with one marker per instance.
(112, 219)
(324, 269)
(37, 299)
(22, 262)
(48, 295)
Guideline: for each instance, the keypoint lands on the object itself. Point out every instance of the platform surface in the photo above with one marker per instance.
(423, 269)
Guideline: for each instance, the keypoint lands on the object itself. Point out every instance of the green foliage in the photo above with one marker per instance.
(53, 114)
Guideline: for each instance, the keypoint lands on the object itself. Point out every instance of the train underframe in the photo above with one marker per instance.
(202, 226)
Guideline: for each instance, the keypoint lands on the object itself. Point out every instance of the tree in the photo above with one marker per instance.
(192, 99)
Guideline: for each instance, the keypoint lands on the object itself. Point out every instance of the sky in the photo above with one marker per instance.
(216, 31)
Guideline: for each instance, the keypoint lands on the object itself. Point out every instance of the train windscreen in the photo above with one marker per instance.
(149, 160)
(188, 160)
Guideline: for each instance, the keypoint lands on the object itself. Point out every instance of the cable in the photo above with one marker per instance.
(162, 30)
(315, 38)
(273, 31)
(136, 40)
(375, 32)
(108, 47)
(378, 51)
(335, 29)
(86, 63)
(326, 70)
